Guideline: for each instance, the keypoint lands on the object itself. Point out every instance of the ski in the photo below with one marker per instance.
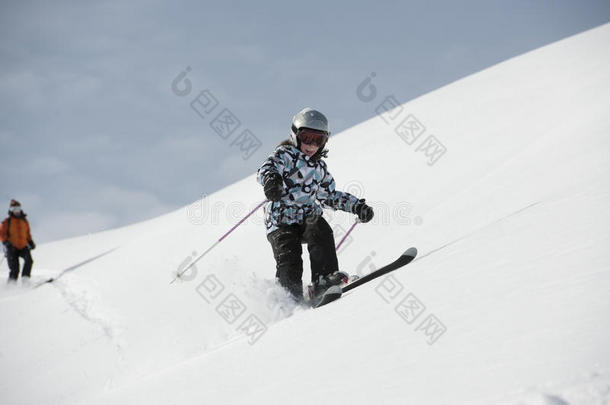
(334, 293)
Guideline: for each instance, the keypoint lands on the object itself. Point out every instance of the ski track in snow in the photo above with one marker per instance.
(87, 304)
(474, 232)
(591, 389)
(82, 299)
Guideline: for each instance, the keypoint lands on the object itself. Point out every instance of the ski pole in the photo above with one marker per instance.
(347, 234)
(218, 241)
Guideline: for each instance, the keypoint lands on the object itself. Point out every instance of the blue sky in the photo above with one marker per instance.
(92, 136)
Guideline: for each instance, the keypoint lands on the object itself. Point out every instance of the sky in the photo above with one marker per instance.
(114, 112)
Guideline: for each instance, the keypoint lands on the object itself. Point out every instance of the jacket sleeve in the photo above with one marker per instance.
(29, 235)
(275, 163)
(332, 198)
(4, 231)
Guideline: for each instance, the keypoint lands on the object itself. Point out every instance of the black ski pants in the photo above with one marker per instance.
(12, 257)
(286, 244)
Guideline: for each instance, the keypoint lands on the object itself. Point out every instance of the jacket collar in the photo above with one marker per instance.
(315, 158)
(22, 216)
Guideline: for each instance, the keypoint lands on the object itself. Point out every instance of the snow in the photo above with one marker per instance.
(511, 224)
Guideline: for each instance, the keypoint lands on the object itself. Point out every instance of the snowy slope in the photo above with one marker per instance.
(511, 223)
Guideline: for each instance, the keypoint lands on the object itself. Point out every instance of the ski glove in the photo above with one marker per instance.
(364, 212)
(32, 245)
(273, 186)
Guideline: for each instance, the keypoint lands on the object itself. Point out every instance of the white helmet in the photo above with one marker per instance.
(308, 118)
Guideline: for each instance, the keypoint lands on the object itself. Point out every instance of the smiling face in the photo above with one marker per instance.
(311, 140)
(309, 150)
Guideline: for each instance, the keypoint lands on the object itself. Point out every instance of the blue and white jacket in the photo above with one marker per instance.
(308, 188)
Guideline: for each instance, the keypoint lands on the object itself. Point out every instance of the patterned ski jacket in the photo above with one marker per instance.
(308, 187)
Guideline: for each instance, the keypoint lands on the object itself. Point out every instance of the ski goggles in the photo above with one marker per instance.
(15, 209)
(312, 137)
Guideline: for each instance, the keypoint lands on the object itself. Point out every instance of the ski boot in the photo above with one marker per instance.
(324, 283)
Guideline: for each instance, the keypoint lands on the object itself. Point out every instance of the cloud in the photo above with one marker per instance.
(47, 165)
(66, 224)
(90, 210)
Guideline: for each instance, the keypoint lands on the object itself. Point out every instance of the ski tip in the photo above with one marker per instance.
(412, 252)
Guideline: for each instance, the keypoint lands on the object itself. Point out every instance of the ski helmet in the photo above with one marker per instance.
(308, 118)
(15, 207)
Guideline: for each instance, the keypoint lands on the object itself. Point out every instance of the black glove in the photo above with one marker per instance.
(32, 245)
(273, 186)
(364, 212)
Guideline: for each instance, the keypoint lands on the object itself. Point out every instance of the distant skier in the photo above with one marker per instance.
(297, 183)
(17, 240)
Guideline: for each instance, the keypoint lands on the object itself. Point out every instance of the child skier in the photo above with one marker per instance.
(297, 183)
